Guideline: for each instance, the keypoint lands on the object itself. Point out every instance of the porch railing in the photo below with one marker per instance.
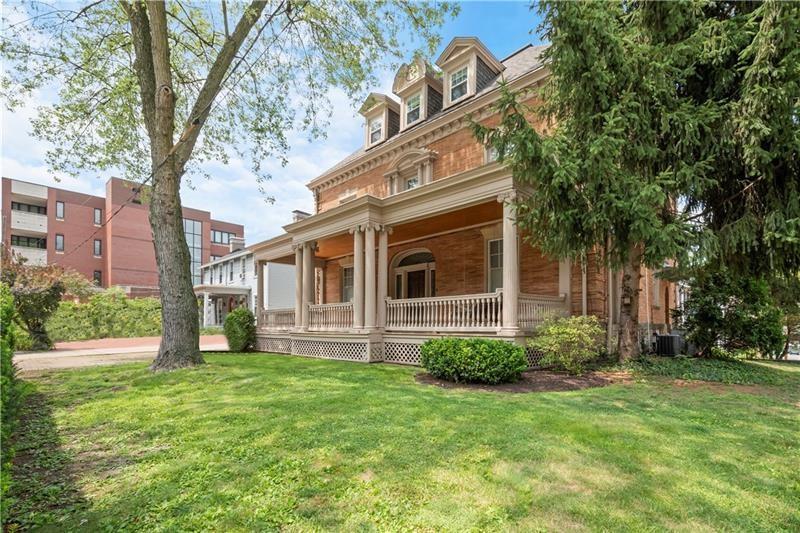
(535, 309)
(469, 312)
(276, 319)
(324, 317)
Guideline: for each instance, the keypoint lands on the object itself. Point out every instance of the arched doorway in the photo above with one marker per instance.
(413, 274)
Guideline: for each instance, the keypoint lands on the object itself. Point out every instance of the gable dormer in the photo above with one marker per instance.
(419, 87)
(468, 67)
(382, 119)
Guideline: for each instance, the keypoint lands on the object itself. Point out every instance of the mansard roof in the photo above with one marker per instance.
(525, 60)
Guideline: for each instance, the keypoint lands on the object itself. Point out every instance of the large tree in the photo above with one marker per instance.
(670, 131)
(153, 89)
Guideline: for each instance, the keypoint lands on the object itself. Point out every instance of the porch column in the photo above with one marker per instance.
(206, 309)
(298, 285)
(369, 277)
(358, 278)
(260, 288)
(308, 281)
(510, 265)
(383, 274)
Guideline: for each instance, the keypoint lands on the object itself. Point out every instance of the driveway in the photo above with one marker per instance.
(97, 352)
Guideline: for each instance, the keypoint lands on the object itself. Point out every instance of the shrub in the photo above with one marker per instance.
(718, 370)
(474, 360)
(9, 386)
(240, 330)
(569, 343)
(734, 312)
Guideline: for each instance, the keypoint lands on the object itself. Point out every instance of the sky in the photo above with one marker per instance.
(233, 194)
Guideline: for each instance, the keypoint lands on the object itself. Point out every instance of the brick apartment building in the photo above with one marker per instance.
(51, 225)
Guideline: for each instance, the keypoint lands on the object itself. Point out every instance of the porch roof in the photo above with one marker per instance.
(221, 289)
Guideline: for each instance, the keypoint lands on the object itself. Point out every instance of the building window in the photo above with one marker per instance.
(98, 216)
(375, 130)
(38, 209)
(244, 265)
(412, 109)
(347, 284)
(98, 247)
(60, 210)
(495, 265)
(193, 230)
(28, 242)
(219, 273)
(215, 257)
(97, 276)
(59, 242)
(491, 154)
(221, 237)
(230, 271)
(411, 183)
(458, 84)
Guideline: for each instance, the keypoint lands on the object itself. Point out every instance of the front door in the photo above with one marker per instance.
(416, 284)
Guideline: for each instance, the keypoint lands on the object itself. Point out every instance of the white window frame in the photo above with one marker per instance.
(411, 182)
(97, 248)
(418, 108)
(59, 203)
(98, 216)
(489, 267)
(344, 285)
(450, 87)
(63, 243)
(371, 129)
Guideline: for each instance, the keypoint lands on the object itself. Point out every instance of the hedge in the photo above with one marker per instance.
(10, 389)
(474, 360)
(240, 330)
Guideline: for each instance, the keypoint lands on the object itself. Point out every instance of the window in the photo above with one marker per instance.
(219, 272)
(97, 276)
(244, 265)
(375, 130)
(458, 84)
(98, 247)
(411, 183)
(221, 237)
(230, 271)
(38, 209)
(495, 265)
(347, 284)
(98, 216)
(59, 242)
(412, 109)
(491, 154)
(193, 230)
(28, 242)
(215, 257)
(60, 210)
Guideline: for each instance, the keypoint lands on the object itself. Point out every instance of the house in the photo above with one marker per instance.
(230, 281)
(107, 239)
(415, 236)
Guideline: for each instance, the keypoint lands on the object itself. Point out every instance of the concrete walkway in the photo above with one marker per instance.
(97, 352)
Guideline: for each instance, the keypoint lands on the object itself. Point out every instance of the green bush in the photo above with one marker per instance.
(474, 360)
(9, 388)
(569, 343)
(106, 314)
(240, 330)
(718, 370)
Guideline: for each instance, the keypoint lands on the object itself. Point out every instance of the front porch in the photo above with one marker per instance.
(377, 292)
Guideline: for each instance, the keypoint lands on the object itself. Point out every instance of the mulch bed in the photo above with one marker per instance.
(536, 381)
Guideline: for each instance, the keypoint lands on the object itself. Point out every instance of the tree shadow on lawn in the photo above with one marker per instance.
(331, 445)
(43, 477)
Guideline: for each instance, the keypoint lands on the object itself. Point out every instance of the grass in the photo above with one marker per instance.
(261, 442)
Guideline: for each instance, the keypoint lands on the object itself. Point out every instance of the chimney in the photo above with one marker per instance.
(298, 215)
(237, 243)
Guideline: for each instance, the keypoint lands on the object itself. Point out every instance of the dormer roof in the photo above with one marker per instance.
(410, 73)
(376, 100)
(460, 46)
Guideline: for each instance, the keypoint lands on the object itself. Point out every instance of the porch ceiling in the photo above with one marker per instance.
(342, 244)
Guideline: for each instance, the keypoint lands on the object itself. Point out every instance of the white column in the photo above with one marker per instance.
(260, 296)
(383, 274)
(358, 278)
(510, 267)
(584, 297)
(298, 286)
(308, 280)
(370, 295)
(206, 309)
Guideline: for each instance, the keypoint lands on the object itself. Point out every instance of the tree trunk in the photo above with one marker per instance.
(628, 343)
(180, 341)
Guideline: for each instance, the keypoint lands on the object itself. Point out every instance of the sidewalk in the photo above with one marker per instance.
(78, 354)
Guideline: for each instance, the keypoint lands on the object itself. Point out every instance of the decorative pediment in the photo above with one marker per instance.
(410, 73)
(375, 101)
(410, 159)
(461, 47)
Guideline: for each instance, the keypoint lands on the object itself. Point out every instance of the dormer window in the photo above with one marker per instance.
(375, 130)
(458, 83)
(412, 183)
(413, 109)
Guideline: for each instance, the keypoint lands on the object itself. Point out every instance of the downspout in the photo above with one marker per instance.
(649, 308)
(584, 301)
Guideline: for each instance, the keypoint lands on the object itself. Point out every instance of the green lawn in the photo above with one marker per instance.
(261, 442)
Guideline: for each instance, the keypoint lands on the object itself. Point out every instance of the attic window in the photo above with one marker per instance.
(458, 84)
(412, 109)
(375, 130)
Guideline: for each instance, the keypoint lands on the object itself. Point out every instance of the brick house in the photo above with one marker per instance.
(414, 235)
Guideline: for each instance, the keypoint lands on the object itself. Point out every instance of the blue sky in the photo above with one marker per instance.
(233, 194)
